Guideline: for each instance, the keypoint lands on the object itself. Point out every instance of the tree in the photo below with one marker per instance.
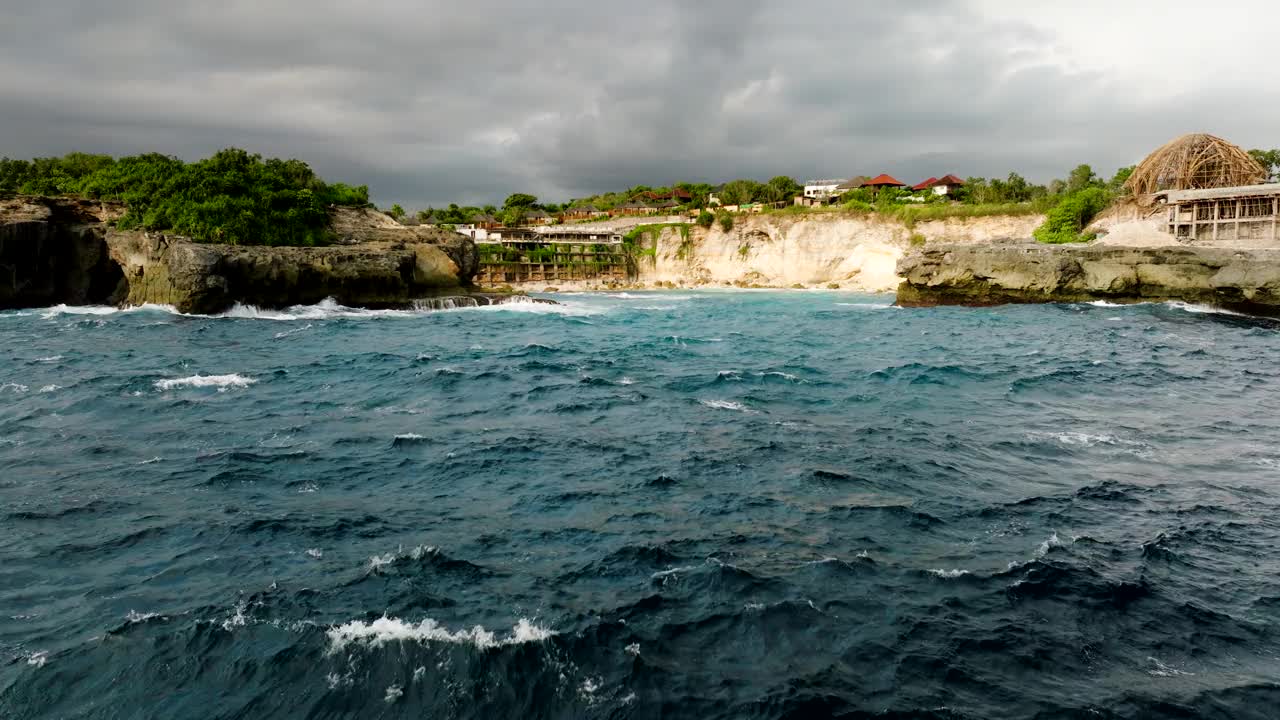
(512, 216)
(1082, 177)
(739, 192)
(396, 212)
(1116, 184)
(780, 189)
(1270, 162)
(519, 200)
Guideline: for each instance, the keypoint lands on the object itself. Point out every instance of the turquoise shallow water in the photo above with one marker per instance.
(676, 504)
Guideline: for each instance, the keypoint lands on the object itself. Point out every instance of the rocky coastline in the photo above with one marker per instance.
(59, 250)
(1244, 280)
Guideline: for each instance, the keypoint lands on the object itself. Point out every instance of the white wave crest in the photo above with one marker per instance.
(13, 387)
(295, 331)
(1163, 670)
(949, 574)
(386, 630)
(1051, 542)
(726, 405)
(1091, 440)
(1202, 309)
(377, 562)
(56, 310)
(867, 306)
(38, 659)
(134, 617)
(785, 376)
(222, 382)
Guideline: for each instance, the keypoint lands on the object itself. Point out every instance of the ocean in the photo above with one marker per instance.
(676, 504)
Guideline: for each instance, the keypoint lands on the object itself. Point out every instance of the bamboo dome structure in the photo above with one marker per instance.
(1195, 162)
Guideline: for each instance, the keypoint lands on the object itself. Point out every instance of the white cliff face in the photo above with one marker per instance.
(818, 250)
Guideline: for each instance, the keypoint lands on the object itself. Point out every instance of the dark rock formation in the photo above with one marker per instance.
(1245, 280)
(55, 250)
(52, 254)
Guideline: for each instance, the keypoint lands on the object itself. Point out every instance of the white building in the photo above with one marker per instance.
(821, 189)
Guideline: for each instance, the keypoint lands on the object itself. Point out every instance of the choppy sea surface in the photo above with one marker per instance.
(701, 505)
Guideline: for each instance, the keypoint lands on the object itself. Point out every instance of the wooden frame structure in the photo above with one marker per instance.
(1246, 215)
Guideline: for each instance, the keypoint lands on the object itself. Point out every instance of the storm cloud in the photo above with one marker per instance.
(435, 102)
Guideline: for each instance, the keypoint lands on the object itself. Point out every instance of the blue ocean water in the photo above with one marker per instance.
(705, 505)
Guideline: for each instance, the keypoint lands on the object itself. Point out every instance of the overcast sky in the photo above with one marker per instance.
(430, 102)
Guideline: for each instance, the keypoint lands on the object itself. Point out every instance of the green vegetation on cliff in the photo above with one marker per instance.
(1069, 217)
(232, 197)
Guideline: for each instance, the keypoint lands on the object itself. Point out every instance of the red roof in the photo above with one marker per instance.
(949, 180)
(883, 180)
(926, 184)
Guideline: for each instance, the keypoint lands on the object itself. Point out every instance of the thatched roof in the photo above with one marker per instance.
(1194, 162)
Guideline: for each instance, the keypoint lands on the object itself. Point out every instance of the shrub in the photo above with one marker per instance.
(1066, 221)
(705, 218)
(725, 220)
(917, 240)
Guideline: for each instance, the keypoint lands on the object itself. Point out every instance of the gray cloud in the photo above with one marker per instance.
(436, 102)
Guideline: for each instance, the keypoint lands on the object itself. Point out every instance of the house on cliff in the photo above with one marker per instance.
(582, 212)
(536, 218)
(633, 209)
(945, 185)
(882, 181)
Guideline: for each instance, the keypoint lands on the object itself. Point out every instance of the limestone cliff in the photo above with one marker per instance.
(1246, 280)
(813, 250)
(65, 251)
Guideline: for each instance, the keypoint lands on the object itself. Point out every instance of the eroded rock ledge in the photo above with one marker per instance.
(55, 250)
(1243, 280)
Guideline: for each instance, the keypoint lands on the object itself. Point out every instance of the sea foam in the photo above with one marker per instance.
(386, 630)
(222, 382)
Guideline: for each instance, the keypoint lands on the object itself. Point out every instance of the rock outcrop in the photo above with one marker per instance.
(64, 251)
(199, 278)
(1244, 280)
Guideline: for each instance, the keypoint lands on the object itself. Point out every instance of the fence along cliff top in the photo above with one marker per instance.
(1194, 162)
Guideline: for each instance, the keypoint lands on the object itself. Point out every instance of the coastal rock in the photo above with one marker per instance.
(199, 278)
(1245, 280)
(55, 250)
